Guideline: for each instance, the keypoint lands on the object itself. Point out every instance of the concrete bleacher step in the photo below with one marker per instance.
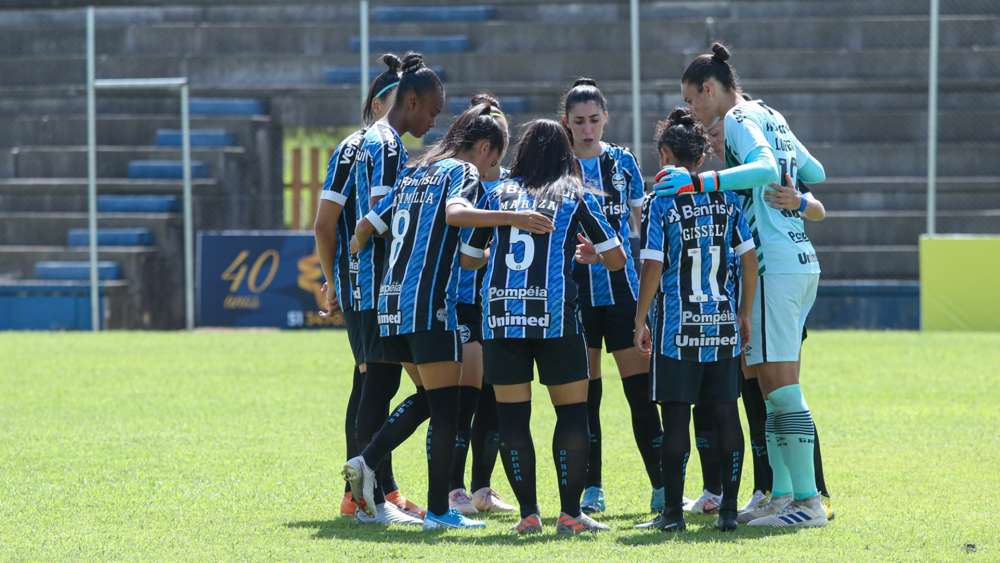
(198, 138)
(511, 104)
(866, 304)
(351, 75)
(70, 194)
(116, 161)
(897, 227)
(871, 262)
(111, 237)
(23, 227)
(420, 43)
(76, 270)
(62, 305)
(908, 193)
(432, 13)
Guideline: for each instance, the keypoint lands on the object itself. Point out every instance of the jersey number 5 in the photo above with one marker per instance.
(399, 223)
(516, 236)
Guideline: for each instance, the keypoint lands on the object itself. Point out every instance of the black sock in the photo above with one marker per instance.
(518, 453)
(485, 439)
(674, 453)
(708, 449)
(467, 403)
(443, 404)
(818, 462)
(570, 446)
(594, 393)
(381, 381)
(753, 403)
(645, 425)
(729, 437)
(351, 417)
(400, 425)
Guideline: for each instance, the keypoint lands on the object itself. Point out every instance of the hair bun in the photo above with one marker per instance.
(719, 52)
(484, 98)
(584, 81)
(681, 116)
(392, 61)
(412, 62)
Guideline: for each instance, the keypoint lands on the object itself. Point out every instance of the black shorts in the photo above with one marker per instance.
(509, 361)
(424, 347)
(613, 324)
(470, 322)
(373, 350)
(684, 381)
(355, 336)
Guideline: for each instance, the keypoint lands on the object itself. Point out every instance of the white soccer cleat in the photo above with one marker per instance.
(362, 480)
(769, 508)
(487, 500)
(808, 513)
(460, 501)
(707, 503)
(388, 514)
(757, 500)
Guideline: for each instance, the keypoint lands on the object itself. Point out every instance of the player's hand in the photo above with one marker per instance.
(672, 180)
(745, 332)
(355, 244)
(783, 196)
(585, 253)
(642, 339)
(532, 222)
(332, 305)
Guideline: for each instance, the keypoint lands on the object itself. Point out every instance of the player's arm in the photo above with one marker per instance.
(743, 246)
(384, 173)
(800, 198)
(636, 190)
(651, 253)
(376, 221)
(336, 188)
(595, 225)
(810, 169)
(473, 249)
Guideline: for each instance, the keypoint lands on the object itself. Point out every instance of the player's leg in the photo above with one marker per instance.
(756, 412)
(509, 369)
(485, 450)
(706, 442)
(469, 390)
(824, 491)
(594, 332)
(719, 393)
(347, 505)
(562, 368)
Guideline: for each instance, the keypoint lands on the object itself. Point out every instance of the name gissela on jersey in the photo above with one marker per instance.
(518, 293)
(703, 231)
(514, 320)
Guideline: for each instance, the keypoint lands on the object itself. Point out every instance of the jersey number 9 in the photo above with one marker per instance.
(399, 223)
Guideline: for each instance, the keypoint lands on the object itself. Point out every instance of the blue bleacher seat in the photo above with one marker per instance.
(423, 44)
(111, 237)
(199, 138)
(137, 203)
(511, 104)
(873, 305)
(165, 169)
(76, 270)
(47, 306)
(226, 106)
(352, 74)
(433, 13)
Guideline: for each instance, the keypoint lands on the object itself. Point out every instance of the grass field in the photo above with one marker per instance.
(227, 445)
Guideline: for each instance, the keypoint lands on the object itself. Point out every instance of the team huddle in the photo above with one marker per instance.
(474, 277)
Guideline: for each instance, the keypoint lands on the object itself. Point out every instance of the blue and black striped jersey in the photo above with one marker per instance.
(338, 187)
(469, 281)
(418, 291)
(380, 160)
(697, 238)
(615, 179)
(528, 291)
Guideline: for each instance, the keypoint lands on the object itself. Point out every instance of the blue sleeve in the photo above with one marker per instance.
(595, 224)
(742, 241)
(337, 186)
(386, 160)
(636, 188)
(463, 185)
(653, 244)
(810, 169)
(380, 216)
(475, 240)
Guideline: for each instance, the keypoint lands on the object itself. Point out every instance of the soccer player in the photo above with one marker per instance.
(334, 227)
(478, 399)
(381, 157)
(530, 316)
(764, 149)
(416, 305)
(607, 299)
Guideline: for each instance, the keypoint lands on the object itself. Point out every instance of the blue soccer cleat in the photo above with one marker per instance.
(450, 519)
(658, 500)
(593, 500)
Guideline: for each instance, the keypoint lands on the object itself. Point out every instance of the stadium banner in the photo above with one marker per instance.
(260, 279)
(959, 279)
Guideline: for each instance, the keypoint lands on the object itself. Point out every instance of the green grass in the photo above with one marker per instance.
(227, 445)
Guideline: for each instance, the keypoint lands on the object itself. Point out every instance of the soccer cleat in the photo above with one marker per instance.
(707, 503)
(460, 501)
(827, 506)
(487, 500)
(531, 524)
(658, 500)
(757, 500)
(387, 514)
(361, 478)
(405, 504)
(726, 521)
(808, 513)
(771, 507)
(347, 505)
(571, 526)
(673, 522)
(450, 519)
(593, 500)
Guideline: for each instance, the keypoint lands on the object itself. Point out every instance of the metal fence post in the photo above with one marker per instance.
(188, 214)
(95, 302)
(363, 9)
(932, 118)
(636, 84)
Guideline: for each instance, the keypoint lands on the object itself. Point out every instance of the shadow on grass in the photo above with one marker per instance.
(705, 533)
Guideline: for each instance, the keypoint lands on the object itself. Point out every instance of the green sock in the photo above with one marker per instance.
(781, 480)
(795, 434)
